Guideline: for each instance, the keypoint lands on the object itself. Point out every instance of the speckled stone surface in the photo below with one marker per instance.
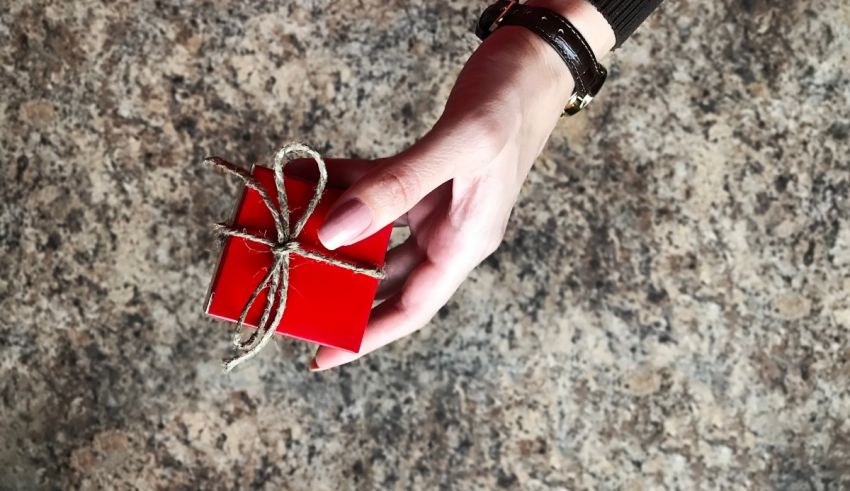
(670, 308)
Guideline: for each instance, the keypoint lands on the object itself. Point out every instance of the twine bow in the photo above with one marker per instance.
(286, 244)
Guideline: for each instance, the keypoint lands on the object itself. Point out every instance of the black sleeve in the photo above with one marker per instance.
(625, 15)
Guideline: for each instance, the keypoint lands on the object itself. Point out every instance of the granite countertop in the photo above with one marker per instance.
(670, 308)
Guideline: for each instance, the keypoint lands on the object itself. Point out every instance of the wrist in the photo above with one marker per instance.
(541, 79)
(583, 37)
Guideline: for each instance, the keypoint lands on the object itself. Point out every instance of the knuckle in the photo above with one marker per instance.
(480, 246)
(407, 302)
(496, 238)
(398, 186)
(492, 245)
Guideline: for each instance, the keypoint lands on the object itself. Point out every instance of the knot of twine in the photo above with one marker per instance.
(286, 244)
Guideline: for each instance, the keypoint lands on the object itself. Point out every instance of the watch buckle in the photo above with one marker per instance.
(511, 4)
(576, 103)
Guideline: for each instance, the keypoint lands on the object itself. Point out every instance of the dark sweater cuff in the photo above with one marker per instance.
(625, 15)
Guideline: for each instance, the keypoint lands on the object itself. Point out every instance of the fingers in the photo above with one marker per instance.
(423, 219)
(401, 260)
(402, 221)
(428, 288)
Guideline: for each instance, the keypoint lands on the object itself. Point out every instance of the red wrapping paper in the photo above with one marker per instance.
(325, 304)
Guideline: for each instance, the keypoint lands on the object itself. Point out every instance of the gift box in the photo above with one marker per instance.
(325, 304)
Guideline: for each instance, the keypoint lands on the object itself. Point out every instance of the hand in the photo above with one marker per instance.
(455, 187)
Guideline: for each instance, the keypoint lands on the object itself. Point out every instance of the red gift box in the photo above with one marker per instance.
(325, 304)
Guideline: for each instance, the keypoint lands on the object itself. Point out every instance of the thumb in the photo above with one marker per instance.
(384, 194)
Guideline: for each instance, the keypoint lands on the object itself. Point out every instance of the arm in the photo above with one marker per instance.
(456, 186)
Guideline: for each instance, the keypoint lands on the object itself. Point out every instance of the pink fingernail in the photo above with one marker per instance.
(345, 223)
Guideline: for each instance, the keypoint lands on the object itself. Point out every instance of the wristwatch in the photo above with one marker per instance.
(570, 45)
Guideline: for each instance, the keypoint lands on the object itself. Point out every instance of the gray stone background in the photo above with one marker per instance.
(670, 308)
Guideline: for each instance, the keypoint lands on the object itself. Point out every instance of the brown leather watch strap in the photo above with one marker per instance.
(559, 33)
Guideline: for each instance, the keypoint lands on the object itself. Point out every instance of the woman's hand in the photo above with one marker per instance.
(455, 187)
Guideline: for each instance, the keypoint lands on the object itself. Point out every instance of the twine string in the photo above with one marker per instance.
(276, 279)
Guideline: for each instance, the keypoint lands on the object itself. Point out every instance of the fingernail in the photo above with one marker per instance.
(345, 223)
(313, 365)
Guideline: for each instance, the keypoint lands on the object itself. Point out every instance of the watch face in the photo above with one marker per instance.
(489, 16)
